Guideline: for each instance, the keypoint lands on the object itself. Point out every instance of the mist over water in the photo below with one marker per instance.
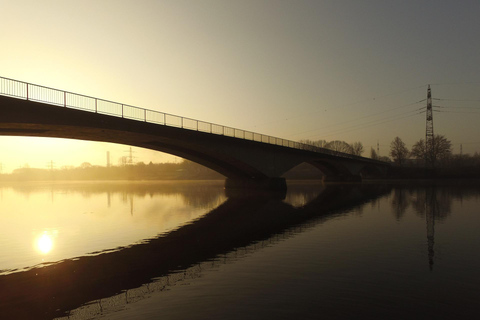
(144, 250)
(88, 218)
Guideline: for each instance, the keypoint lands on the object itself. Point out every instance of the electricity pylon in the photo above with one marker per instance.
(429, 137)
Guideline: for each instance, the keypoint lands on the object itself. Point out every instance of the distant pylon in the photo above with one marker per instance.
(51, 165)
(429, 137)
(130, 156)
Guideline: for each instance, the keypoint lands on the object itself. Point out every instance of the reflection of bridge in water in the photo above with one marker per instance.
(238, 225)
(246, 158)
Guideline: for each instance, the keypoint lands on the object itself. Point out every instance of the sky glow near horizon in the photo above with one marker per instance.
(332, 70)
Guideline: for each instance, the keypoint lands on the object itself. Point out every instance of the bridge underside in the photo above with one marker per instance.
(245, 163)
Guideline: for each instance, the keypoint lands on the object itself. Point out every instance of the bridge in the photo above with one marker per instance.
(245, 158)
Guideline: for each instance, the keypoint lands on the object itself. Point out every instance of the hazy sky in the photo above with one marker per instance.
(334, 70)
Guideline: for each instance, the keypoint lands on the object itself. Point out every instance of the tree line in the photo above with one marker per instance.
(185, 170)
(355, 148)
(442, 157)
(438, 158)
(439, 154)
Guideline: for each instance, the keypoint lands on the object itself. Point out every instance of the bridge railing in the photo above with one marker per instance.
(33, 92)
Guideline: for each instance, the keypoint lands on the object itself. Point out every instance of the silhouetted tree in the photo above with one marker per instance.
(373, 154)
(398, 151)
(86, 165)
(316, 143)
(357, 148)
(442, 149)
(123, 161)
(419, 150)
(340, 146)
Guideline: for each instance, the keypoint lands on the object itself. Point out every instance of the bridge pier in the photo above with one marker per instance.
(272, 184)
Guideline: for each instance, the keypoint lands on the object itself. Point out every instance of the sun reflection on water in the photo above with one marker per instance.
(44, 242)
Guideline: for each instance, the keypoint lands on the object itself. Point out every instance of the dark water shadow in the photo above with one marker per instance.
(52, 291)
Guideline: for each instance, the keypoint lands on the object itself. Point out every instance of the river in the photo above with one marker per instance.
(191, 250)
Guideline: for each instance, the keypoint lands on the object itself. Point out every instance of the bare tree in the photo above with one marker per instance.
(316, 143)
(86, 165)
(357, 148)
(418, 150)
(398, 151)
(340, 146)
(442, 149)
(373, 154)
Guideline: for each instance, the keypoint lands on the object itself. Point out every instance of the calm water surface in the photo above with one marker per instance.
(188, 250)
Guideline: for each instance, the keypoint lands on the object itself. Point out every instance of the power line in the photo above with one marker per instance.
(454, 83)
(448, 111)
(456, 108)
(407, 114)
(366, 116)
(375, 123)
(381, 112)
(458, 100)
(340, 126)
(345, 105)
(441, 108)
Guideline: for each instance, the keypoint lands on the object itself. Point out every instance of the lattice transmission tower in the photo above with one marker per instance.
(429, 136)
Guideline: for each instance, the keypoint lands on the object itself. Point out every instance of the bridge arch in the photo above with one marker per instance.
(27, 118)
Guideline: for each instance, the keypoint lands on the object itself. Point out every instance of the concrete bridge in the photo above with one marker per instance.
(246, 159)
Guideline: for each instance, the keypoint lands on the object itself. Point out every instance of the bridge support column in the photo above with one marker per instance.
(273, 184)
